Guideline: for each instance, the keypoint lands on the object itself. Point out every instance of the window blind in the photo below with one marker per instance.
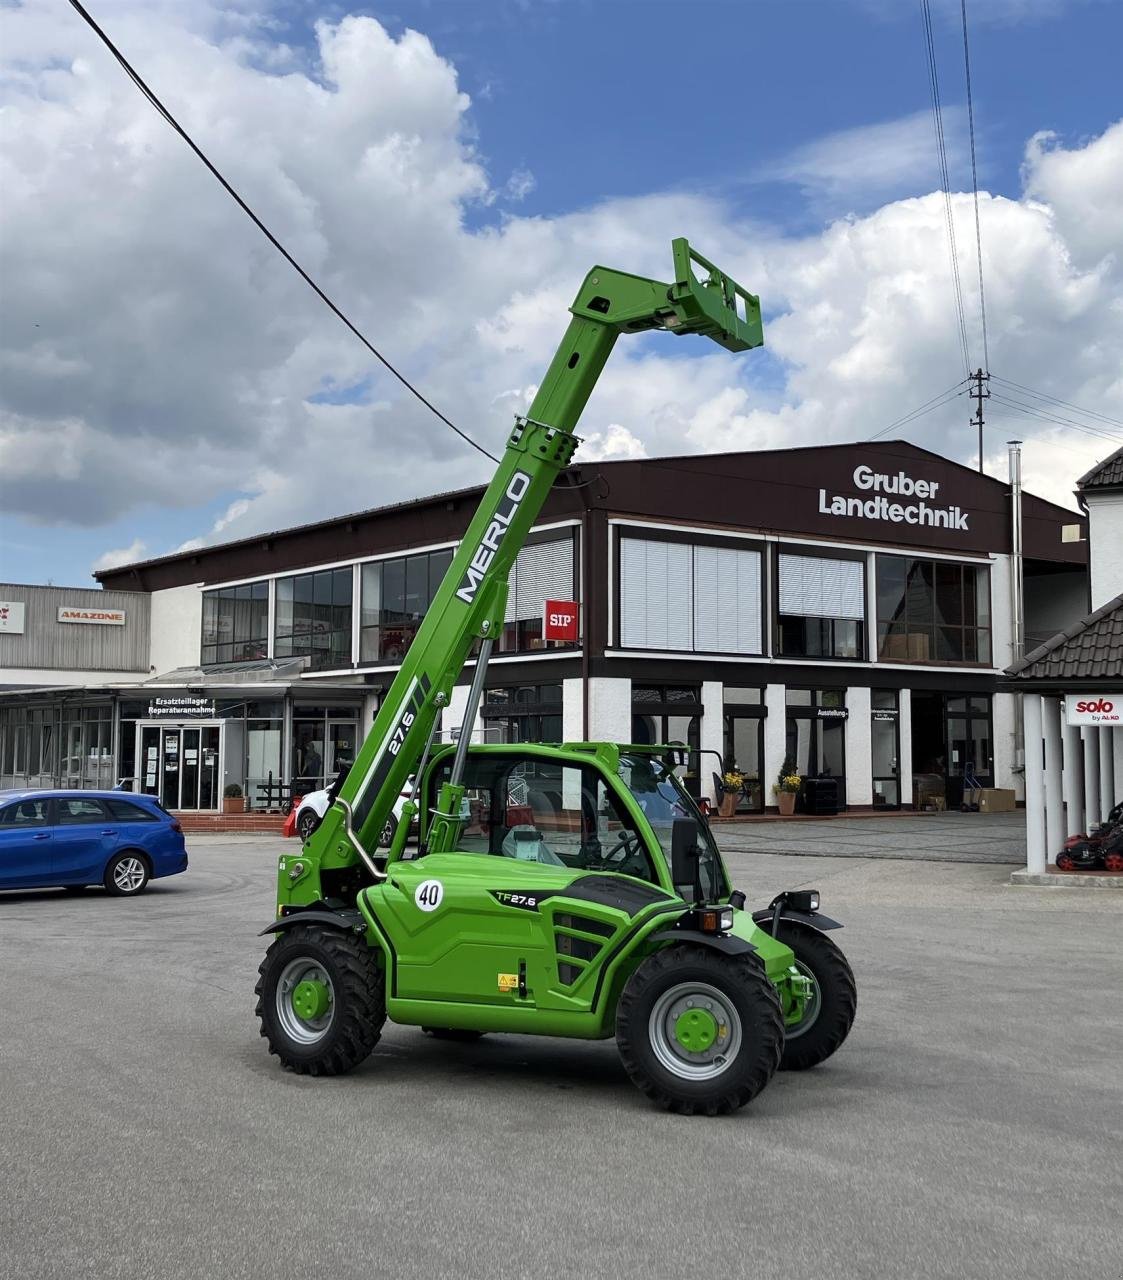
(726, 600)
(656, 582)
(542, 571)
(817, 587)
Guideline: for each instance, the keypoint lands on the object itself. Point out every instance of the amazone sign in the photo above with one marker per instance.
(1094, 708)
(882, 492)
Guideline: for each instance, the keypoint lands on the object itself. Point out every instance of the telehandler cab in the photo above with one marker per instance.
(571, 890)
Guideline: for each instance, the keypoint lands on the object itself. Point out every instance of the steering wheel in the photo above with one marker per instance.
(625, 856)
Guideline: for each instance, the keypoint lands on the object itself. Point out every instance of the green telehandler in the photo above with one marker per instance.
(571, 890)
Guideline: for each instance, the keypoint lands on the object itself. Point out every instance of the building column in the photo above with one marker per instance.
(1072, 779)
(610, 709)
(1035, 789)
(859, 748)
(1117, 754)
(775, 738)
(1091, 739)
(1107, 774)
(904, 745)
(712, 737)
(1051, 712)
(573, 710)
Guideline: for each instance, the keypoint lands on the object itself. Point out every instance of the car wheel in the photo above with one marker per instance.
(387, 833)
(126, 875)
(307, 823)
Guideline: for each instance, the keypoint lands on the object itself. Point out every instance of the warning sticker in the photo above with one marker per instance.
(508, 982)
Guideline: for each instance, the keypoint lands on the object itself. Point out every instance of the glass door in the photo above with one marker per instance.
(744, 752)
(341, 747)
(180, 765)
(885, 749)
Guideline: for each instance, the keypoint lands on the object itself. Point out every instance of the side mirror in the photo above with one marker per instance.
(684, 853)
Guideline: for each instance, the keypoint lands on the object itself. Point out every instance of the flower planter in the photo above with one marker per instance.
(786, 801)
(728, 805)
(233, 804)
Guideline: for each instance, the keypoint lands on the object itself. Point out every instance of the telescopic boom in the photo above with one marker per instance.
(469, 604)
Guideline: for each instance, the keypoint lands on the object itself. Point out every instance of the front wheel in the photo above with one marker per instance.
(699, 1031)
(307, 823)
(829, 1012)
(320, 999)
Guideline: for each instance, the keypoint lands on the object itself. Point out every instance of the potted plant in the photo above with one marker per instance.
(732, 784)
(233, 801)
(786, 787)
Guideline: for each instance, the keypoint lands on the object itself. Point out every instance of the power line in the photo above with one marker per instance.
(945, 182)
(975, 189)
(1042, 395)
(937, 402)
(135, 77)
(1042, 415)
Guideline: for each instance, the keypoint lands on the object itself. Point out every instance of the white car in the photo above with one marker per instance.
(310, 812)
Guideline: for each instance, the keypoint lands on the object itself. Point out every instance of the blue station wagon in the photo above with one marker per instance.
(76, 838)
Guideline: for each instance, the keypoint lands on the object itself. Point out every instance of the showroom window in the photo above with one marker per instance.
(523, 713)
(689, 598)
(314, 618)
(932, 611)
(396, 595)
(821, 607)
(236, 623)
(543, 571)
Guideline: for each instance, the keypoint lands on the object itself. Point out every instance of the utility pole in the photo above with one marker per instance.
(979, 378)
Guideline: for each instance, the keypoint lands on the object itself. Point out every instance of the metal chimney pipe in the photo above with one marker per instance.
(1017, 581)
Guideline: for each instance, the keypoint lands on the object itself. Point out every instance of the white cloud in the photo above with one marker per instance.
(155, 351)
(119, 556)
(870, 161)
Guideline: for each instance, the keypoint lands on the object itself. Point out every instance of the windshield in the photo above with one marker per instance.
(663, 798)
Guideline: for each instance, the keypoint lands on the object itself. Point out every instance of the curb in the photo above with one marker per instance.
(1066, 880)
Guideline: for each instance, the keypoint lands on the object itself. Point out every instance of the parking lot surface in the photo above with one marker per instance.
(970, 1127)
(932, 837)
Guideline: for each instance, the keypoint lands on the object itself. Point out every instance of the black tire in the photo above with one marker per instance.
(342, 1036)
(307, 823)
(127, 874)
(452, 1033)
(386, 835)
(654, 1058)
(831, 1013)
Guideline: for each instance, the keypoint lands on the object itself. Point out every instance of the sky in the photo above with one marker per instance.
(449, 170)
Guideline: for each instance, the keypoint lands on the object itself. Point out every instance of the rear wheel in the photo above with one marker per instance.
(829, 1013)
(126, 875)
(320, 1001)
(699, 1032)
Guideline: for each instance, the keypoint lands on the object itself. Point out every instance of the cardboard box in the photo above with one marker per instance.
(996, 800)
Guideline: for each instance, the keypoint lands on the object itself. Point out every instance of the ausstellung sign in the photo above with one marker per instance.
(185, 708)
(885, 488)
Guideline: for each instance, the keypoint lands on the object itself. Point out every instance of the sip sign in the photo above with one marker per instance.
(1094, 708)
(559, 621)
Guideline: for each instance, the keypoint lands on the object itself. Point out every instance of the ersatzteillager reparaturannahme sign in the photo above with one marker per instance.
(885, 505)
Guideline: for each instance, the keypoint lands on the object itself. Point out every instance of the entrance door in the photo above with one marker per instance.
(341, 746)
(180, 765)
(885, 753)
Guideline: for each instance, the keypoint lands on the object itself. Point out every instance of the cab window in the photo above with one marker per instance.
(538, 810)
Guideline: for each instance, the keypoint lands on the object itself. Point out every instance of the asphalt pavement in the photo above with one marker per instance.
(970, 1127)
